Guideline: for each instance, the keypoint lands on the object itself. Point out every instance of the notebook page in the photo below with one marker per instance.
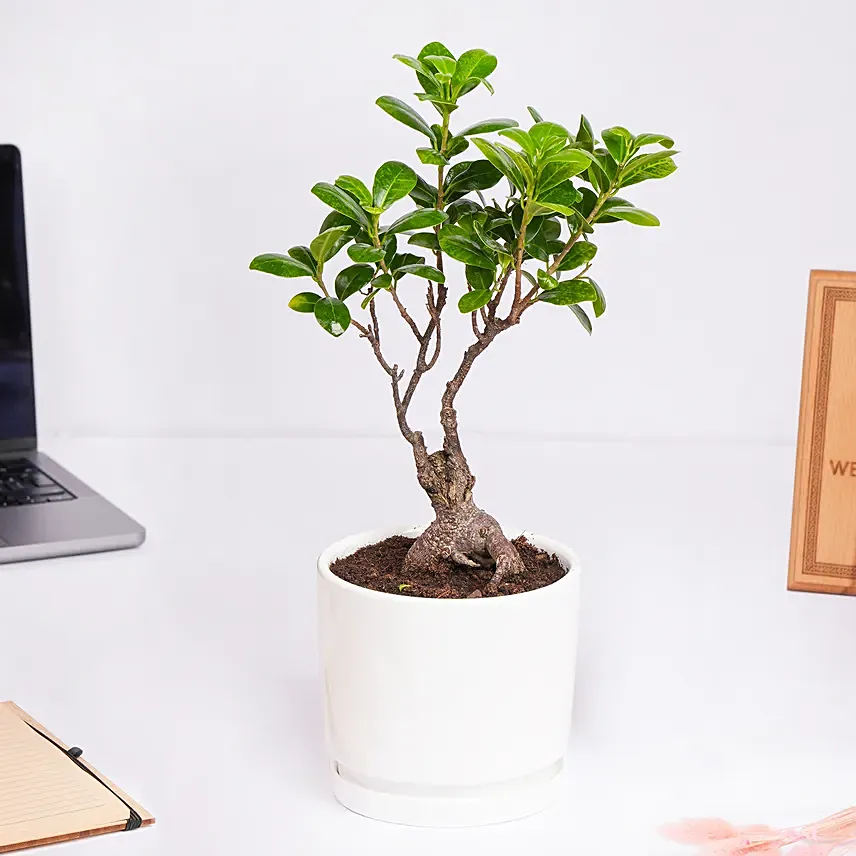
(43, 794)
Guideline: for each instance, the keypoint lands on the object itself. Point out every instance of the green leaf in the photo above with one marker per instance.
(435, 49)
(581, 316)
(428, 240)
(489, 242)
(579, 254)
(429, 156)
(341, 201)
(569, 292)
(656, 169)
(328, 243)
(461, 207)
(562, 198)
(443, 64)
(355, 187)
(456, 145)
(302, 254)
(425, 271)
(487, 126)
(522, 139)
(332, 315)
(618, 141)
(280, 265)
(393, 181)
(654, 139)
(632, 214)
(365, 253)
(304, 302)
(422, 218)
(369, 298)
(455, 242)
(599, 303)
(417, 65)
(535, 114)
(423, 194)
(585, 134)
(476, 63)
(479, 278)
(545, 281)
(521, 161)
(384, 280)
(572, 155)
(351, 279)
(405, 114)
(500, 159)
(334, 218)
(473, 300)
(399, 260)
(555, 173)
(543, 133)
(466, 176)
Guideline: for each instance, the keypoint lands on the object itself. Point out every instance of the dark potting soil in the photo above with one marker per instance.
(380, 567)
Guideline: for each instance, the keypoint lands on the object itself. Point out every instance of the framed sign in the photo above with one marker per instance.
(823, 532)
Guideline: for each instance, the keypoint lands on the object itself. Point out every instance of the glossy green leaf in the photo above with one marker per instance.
(467, 176)
(555, 173)
(520, 161)
(461, 207)
(585, 134)
(579, 254)
(487, 126)
(416, 64)
(355, 187)
(405, 114)
(569, 292)
(369, 298)
(422, 218)
(328, 243)
(455, 242)
(384, 280)
(545, 281)
(572, 155)
(280, 265)
(425, 271)
(428, 240)
(661, 169)
(519, 136)
(303, 254)
(490, 242)
(429, 156)
(632, 214)
(390, 248)
(542, 133)
(332, 315)
(393, 181)
(582, 317)
(424, 194)
(365, 253)
(654, 139)
(479, 278)
(474, 300)
(456, 145)
(334, 218)
(562, 198)
(435, 49)
(500, 159)
(535, 114)
(618, 141)
(599, 303)
(476, 63)
(304, 302)
(444, 64)
(341, 201)
(351, 279)
(401, 259)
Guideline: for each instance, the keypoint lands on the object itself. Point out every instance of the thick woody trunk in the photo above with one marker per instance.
(461, 532)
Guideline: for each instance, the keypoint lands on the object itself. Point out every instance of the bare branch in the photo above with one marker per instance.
(402, 310)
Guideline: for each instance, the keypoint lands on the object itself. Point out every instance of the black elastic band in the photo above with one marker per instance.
(134, 821)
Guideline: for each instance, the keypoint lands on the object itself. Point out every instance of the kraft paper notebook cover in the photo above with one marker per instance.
(823, 536)
(49, 793)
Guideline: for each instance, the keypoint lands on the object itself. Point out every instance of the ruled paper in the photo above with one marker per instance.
(43, 793)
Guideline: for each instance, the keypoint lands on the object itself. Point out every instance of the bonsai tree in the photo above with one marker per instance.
(522, 248)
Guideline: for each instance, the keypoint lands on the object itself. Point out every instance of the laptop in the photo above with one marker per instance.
(44, 510)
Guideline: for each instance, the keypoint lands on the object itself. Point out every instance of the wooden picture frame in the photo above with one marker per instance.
(823, 530)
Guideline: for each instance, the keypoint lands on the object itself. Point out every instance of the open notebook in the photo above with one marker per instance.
(49, 794)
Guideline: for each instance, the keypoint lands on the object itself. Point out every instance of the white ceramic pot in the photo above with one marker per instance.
(447, 712)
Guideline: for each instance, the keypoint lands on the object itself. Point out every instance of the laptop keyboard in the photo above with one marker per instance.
(23, 483)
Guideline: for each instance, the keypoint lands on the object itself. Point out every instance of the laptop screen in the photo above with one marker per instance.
(17, 399)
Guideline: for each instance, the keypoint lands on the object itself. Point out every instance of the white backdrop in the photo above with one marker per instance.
(167, 142)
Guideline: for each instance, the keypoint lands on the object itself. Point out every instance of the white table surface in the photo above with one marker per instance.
(187, 669)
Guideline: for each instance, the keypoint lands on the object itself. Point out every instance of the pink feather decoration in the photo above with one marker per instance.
(717, 837)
